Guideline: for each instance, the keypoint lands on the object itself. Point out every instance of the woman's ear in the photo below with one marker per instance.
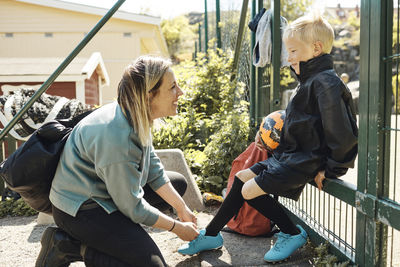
(318, 48)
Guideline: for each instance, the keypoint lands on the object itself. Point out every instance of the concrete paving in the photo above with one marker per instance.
(20, 245)
(238, 250)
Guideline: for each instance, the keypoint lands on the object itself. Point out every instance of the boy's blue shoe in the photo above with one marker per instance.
(202, 243)
(285, 245)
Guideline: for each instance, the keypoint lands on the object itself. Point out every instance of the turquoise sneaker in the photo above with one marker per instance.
(285, 245)
(202, 243)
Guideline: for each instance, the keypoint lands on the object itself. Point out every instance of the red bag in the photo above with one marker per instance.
(248, 220)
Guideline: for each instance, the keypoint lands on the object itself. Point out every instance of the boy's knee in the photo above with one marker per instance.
(245, 175)
(246, 193)
(251, 190)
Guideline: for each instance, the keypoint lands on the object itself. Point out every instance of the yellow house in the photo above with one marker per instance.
(52, 29)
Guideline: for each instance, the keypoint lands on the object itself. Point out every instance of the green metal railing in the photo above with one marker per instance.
(361, 221)
(60, 69)
(375, 208)
(9, 144)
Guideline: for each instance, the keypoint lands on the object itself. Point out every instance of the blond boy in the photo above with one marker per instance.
(319, 139)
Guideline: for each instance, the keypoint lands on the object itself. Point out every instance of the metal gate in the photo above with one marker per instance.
(361, 221)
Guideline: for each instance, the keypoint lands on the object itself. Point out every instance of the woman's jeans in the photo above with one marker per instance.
(114, 239)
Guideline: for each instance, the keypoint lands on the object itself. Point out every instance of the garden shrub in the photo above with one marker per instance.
(225, 145)
(11, 207)
(212, 125)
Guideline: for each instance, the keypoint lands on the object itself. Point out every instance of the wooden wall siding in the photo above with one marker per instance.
(66, 89)
(24, 17)
(92, 90)
(28, 23)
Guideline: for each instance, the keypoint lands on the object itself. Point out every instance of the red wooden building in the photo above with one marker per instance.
(83, 79)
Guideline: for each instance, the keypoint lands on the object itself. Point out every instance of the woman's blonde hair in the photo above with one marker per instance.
(140, 82)
(311, 28)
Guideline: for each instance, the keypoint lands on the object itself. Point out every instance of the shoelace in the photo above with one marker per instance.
(281, 241)
(200, 237)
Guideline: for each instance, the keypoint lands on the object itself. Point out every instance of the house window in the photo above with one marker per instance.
(9, 34)
(48, 34)
(127, 34)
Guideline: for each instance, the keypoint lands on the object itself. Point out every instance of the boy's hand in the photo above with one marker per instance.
(257, 141)
(319, 178)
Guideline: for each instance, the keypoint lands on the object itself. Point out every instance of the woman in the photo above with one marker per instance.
(109, 180)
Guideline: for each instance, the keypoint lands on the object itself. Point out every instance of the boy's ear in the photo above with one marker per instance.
(317, 48)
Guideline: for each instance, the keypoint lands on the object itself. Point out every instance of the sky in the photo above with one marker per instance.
(167, 9)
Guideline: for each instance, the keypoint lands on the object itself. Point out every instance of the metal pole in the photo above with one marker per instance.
(253, 71)
(262, 88)
(238, 45)
(218, 19)
(199, 37)
(195, 50)
(275, 101)
(371, 235)
(63, 65)
(205, 27)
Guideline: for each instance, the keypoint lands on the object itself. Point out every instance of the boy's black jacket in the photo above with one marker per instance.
(320, 130)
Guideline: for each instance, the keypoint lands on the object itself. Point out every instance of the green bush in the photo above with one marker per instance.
(10, 207)
(225, 145)
(212, 126)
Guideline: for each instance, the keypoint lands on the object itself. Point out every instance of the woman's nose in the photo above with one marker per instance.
(180, 92)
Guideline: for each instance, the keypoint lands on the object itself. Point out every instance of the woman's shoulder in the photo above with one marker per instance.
(106, 126)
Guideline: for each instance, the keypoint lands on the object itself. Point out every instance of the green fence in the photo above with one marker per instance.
(360, 220)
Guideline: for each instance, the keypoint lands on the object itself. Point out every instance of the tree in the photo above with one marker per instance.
(179, 35)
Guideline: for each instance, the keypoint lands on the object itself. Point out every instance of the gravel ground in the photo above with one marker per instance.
(20, 245)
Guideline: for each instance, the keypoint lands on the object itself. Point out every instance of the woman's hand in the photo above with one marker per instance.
(186, 215)
(258, 142)
(187, 231)
(319, 178)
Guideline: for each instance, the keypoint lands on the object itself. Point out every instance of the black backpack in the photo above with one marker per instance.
(30, 170)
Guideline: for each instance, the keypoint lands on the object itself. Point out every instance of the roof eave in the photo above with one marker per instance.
(94, 10)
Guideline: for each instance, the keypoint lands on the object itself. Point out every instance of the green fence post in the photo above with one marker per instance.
(217, 21)
(253, 71)
(371, 236)
(205, 27)
(275, 100)
(262, 86)
(195, 51)
(238, 44)
(199, 37)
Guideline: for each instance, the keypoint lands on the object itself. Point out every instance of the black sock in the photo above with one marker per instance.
(273, 210)
(231, 205)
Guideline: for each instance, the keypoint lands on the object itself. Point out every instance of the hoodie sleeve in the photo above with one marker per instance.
(122, 180)
(339, 127)
(157, 176)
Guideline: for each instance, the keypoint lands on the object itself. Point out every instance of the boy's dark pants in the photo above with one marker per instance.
(114, 239)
